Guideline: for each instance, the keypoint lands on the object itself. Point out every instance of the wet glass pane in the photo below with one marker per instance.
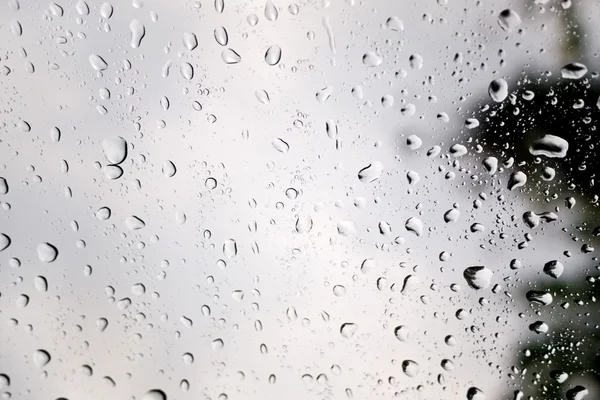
(309, 199)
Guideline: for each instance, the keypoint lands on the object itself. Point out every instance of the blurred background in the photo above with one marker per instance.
(249, 199)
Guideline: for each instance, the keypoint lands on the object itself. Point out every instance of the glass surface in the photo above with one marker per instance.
(299, 199)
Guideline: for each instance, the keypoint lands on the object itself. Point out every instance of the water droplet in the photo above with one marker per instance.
(217, 344)
(508, 20)
(346, 228)
(154, 394)
(190, 41)
(415, 61)
(348, 329)
(230, 248)
(451, 215)
(554, 269)
(280, 145)
(394, 24)
(46, 252)
(559, 375)
(221, 36)
(103, 213)
(414, 225)
(539, 327)
(138, 289)
(271, 12)
(113, 171)
(402, 333)
(324, 94)
(339, 290)
(273, 55)
(573, 71)
(168, 169)
(4, 241)
(4, 381)
(304, 224)
(491, 165)
(262, 96)
(475, 394)
(230, 56)
(472, 123)
(371, 172)
(3, 186)
(371, 59)
(101, 324)
(134, 223)
(410, 368)
(550, 146)
(55, 134)
(22, 301)
(210, 183)
(82, 7)
(138, 31)
(539, 297)
(106, 10)
(41, 358)
(115, 149)
(187, 71)
(498, 90)
(577, 393)
(516, 180)
(478, 277)
(219, 6)
(40, 283)
(97, 62)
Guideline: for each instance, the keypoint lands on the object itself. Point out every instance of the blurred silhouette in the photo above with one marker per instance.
(546, 104)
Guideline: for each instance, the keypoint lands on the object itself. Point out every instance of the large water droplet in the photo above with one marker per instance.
(40, 283)
(577, 393)
(230, 248)
(394, 24)
(46, 252)
(539, 297)
(554, 269)
(475, 394)
(187, 71)
(41, 358)
(516, 180)
(168, 169)
(154, 394)
(273, 55)
(221, 36)
(402, 333)
(134, 223)
(190, 41)
(304, 224)
(82, 8)
(410, 368)
(115, 149)
(371, 172)
(230, 56)
(106, 10)
(478, 277)
(549, 146)
(509, 20)
(4, 241)
(498, 90)
(280, 145)
(3, 186)
(348, 329)
(414, 225)
(271, 12)
(573, 71)
(138, 31)
(97, 62)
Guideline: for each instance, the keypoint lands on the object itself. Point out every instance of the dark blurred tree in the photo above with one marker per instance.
(569, 109)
